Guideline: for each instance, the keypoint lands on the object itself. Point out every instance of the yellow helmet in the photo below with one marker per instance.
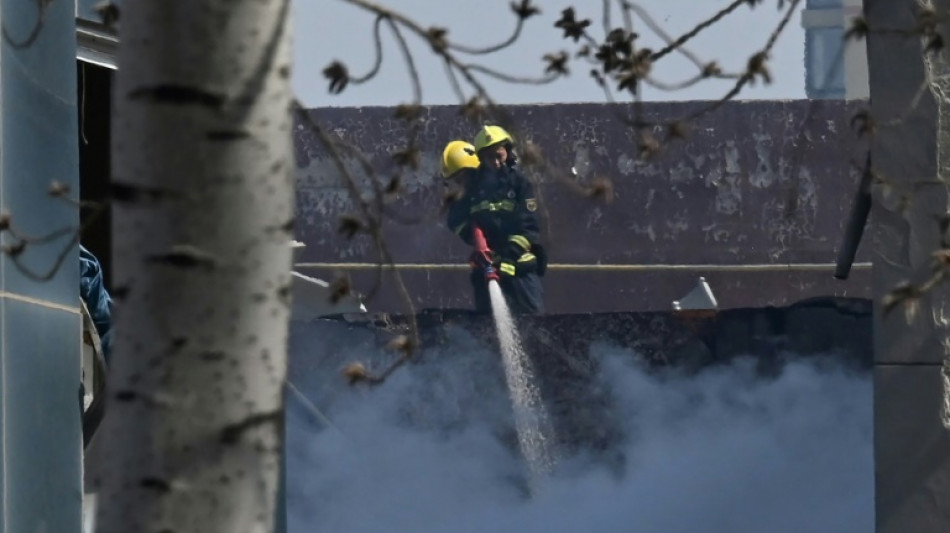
(490, 136)
(456, 156)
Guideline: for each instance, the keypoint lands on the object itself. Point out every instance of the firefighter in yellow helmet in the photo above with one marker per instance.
(458, 156)
(499, 200)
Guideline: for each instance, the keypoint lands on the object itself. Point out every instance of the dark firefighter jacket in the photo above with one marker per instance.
(501, 203)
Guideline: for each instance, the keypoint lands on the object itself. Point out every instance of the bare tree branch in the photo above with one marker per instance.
(378, 62)
(678, 43)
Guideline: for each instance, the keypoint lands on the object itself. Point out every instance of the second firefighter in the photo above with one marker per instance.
(498, 199)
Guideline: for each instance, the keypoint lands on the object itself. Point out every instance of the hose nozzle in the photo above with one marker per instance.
(483, 254)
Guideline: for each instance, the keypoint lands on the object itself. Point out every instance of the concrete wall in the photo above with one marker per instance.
(39, 320)
(756, 186)
(912, 447)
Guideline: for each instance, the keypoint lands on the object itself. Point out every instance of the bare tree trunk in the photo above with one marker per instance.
(910, 153)
(203, 192)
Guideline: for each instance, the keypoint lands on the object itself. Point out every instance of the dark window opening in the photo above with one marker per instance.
(94, 97)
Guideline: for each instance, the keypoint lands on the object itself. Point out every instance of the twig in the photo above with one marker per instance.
(378, 62)
(683, 39)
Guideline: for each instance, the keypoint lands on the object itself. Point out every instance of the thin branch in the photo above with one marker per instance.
(627, 17)
(410, 62)
(682, 39)
(510, 78)
(374, 227)
(750, 76)
(63, 254)
(911, 105)
(426, 35)
(60, 259)
(378, 43)
(454, 81)
(49, 237)
(653, 25)
(672, 87)
(491, 49)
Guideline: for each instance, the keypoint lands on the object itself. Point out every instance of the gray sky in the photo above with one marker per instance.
(329, 30)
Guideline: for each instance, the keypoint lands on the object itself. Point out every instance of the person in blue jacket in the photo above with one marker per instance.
(92, 290)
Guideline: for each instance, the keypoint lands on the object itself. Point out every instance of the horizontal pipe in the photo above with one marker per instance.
(47, 304)
(767, 267)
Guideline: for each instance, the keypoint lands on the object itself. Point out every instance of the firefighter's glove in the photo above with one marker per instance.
(481, 260)
(526, 264)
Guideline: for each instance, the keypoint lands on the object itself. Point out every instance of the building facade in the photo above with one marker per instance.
(834, 68)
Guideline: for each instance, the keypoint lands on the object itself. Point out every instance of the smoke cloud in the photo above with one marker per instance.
(726, 450)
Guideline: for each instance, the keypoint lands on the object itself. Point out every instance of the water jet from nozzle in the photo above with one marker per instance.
(535, 432)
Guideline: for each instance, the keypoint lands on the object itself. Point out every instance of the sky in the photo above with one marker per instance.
(329, 30)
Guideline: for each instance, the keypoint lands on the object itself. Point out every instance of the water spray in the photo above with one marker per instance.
(535, 432)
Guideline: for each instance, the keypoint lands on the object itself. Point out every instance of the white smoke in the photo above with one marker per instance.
(724, 451)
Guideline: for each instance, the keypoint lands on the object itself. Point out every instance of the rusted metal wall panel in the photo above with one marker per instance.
(754, 183)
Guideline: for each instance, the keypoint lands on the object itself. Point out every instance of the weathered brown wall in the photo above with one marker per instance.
(755, 183)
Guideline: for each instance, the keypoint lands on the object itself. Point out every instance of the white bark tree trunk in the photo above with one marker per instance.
(203, 207)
